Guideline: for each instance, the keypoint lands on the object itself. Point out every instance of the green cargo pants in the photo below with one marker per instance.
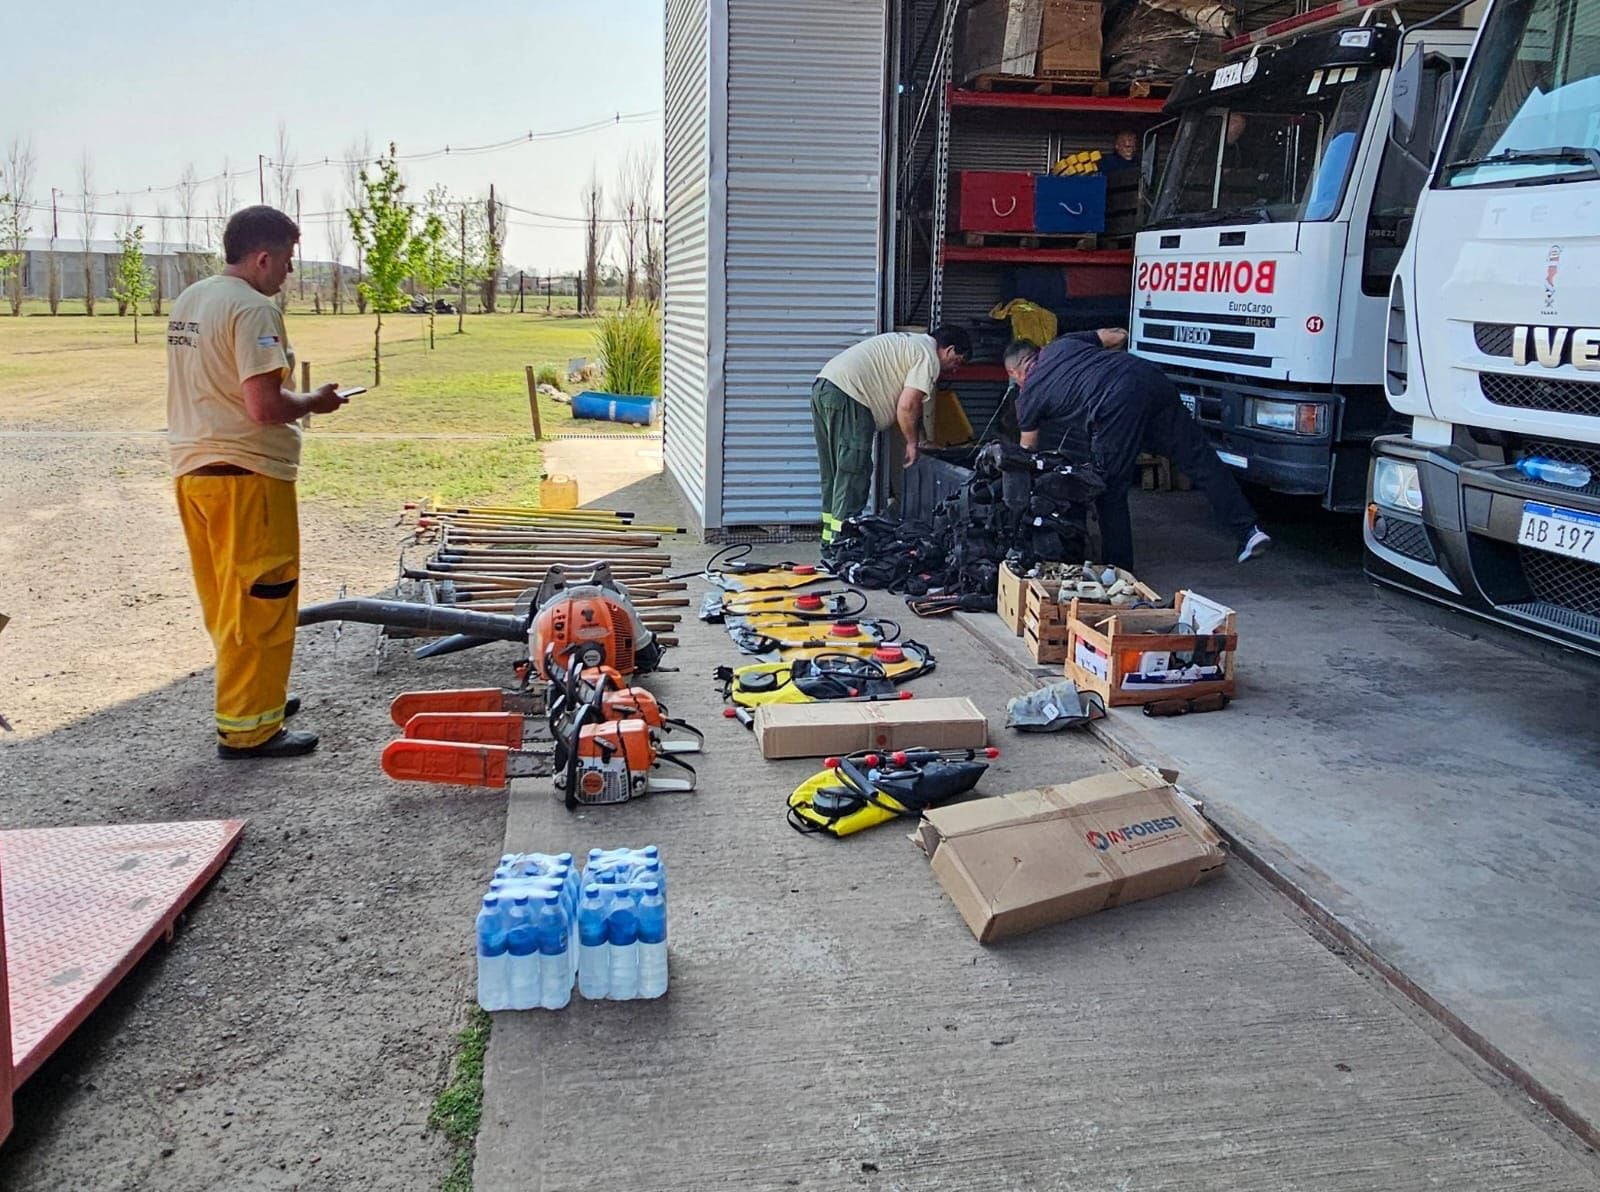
(845, 432)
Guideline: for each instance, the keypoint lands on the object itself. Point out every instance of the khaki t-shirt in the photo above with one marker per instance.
(875, 370)
(220, 333)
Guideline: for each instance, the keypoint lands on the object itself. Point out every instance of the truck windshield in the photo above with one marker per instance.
(1277, 152)
(1530, 106)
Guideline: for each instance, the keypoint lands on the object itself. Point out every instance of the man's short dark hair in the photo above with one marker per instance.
(948, 336)
(1020, 352)
(254, 229)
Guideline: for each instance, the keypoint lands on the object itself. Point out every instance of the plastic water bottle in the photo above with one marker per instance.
(493, 993)
(652, 942)
(594, 954)
(622, 939)
(555, 961)
(1553, 471)
(522, 948)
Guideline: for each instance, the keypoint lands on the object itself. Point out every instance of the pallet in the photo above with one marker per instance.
(1157, 475)
(1064, 84)
(1086, 241)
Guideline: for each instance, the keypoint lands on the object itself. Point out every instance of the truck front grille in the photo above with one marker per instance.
(1493, 339)
(1541, 393)
(1567, 583)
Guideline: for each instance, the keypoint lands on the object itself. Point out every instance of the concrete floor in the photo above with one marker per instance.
(832, 1023)
(1434, 792)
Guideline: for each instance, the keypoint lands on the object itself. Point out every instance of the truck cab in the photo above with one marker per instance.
(1493, 349)
(1261, 276)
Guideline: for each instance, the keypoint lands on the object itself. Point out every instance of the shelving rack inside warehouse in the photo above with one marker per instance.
(945, 128)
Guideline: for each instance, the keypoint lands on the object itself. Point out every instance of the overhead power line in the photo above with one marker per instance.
(531, 137)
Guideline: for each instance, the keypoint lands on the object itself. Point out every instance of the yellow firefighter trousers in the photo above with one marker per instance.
(244, 545)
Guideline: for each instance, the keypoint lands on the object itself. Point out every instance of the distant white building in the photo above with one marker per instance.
(172, 265)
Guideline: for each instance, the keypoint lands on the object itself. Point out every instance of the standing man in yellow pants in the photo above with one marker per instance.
(235, 449)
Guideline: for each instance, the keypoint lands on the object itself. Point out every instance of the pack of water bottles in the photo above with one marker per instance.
(544, 926)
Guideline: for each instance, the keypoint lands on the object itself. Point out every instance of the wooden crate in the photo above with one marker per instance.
(1009, 598)
(1113, 642)
(1045, 618)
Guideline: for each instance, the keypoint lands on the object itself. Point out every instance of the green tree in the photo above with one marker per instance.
(431, 261)
(131, 285)
(11, 231)
(381, 226)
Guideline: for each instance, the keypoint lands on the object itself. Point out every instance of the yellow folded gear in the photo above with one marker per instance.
(900, 662)
(804, 681)
(951, 426)
(869, 813)
(787, 631)
(776, 579)
(1028, 321)
(808, 606)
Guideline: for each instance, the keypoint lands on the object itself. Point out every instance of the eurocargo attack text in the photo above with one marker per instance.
(1209, 277)
(1145, 828)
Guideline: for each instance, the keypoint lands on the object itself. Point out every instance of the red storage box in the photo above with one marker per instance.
(994, 202)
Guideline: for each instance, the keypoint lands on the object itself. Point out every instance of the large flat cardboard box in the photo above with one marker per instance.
(836, 727)
(1025, 860)
(1069, 40)
(999, 37)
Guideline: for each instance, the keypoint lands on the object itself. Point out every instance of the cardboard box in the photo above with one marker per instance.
(1009, 598)
(828, 728)
(999, 37)
(1029, 859)
(1126, 655)
(1044, 617)
(1069, 39)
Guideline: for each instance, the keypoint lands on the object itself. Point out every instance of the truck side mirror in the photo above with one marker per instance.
(1407, 89)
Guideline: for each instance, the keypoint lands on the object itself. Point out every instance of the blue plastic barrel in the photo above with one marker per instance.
(614, 407)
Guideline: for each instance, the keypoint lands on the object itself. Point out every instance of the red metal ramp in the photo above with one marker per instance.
(81, 906)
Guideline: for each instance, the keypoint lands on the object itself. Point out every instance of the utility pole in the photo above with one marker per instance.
(461, 308)
(522, 292)
(299, 248)
(261, 177)
(547, 293)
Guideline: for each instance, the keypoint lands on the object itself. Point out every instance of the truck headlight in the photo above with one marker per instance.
(1291, 417)
(1396, 484)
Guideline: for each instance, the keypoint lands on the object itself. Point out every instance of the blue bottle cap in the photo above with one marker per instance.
(652, 888)
(521, 898)
(596, 853)
(592, 890)
(651, 851)
(490, 901)
(564, 858)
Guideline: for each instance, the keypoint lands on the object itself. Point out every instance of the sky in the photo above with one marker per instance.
(146, 90)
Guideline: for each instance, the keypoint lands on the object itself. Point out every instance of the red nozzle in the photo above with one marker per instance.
(808, 602)
(409, 505)
(728, 713)
(898, 758)
(907, 694)
(830, 763)
(854, 691)
(804, 569)
(844, 629)
(872, 759)
(991, 752)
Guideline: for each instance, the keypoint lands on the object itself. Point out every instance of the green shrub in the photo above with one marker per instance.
(550, 374)
(628, 345)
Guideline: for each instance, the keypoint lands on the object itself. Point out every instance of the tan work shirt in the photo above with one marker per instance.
(875, 370)
(220, 333)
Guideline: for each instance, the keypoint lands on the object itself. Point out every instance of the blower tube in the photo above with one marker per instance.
(403, 615)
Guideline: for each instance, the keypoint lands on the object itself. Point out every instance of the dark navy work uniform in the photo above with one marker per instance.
(1115, 405)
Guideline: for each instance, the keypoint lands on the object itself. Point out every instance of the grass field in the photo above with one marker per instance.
(78, 373)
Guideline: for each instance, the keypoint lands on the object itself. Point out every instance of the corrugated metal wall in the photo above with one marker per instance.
(687, 373)
(805, 121)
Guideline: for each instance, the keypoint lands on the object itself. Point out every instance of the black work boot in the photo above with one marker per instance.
(287, 743)
(291, 705)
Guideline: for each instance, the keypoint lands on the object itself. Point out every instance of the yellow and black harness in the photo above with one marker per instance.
(864, 790)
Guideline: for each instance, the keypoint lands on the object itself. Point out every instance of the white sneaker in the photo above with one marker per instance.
(1258, 543)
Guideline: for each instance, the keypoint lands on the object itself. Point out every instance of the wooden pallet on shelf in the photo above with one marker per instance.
(1079, 240)
(1082, 84)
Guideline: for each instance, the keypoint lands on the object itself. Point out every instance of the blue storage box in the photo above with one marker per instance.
(1073, 203)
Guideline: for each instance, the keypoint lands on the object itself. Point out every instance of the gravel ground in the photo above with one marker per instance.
(295, 1032)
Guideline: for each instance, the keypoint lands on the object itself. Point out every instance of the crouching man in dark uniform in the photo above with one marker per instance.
(1080, 388)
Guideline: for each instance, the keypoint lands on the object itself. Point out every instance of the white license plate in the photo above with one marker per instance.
(1561, 531)
(1190, 403)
